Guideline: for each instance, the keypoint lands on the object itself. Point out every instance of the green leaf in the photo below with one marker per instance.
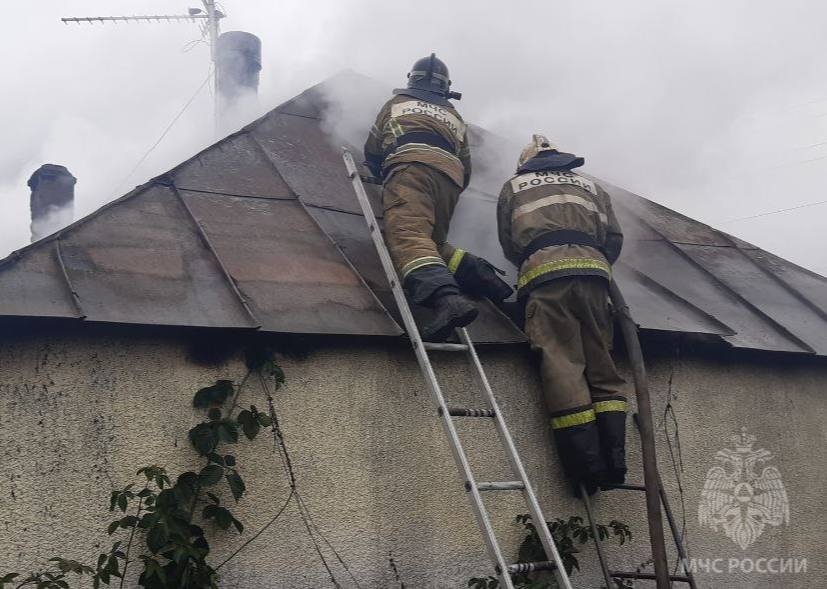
(214, 414)
(228, 431)
(203, 438)
(264, 420)
(113, 526)
(113, 500)
(214, 498)
(217, 458)
(236, 484)
(229, 460)
(122, 502)
(222, 517)
(157, 538)
(215, 394)
(249, 424)
(210, 475)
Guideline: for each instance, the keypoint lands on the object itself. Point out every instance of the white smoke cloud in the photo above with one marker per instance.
(706, 107)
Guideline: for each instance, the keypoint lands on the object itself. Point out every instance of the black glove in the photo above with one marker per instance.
(374, 164)
(478, 276)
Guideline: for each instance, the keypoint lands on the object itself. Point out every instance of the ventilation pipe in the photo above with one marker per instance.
(52, 200)
(238, 61)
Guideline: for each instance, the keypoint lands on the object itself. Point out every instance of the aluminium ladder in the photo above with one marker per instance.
(447, 413)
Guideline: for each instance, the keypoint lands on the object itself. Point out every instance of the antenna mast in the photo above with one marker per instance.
(209, 16)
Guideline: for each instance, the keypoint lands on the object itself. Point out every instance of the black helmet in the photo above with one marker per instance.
(431, 74)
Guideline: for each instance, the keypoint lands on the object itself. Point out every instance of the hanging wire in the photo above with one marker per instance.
(777, 211)
(313, 531)
(261, 531)
(674, 447)
(166, 130)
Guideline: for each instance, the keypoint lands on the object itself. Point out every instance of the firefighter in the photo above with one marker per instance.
(559, 229)
(418, 146)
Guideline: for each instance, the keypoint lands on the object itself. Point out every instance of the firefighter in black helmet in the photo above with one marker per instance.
(419, 147)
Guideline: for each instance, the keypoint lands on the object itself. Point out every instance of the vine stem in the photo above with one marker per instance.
(261, 531)
(238, 391)
(131, 537)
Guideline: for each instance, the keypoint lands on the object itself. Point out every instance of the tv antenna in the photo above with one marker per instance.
(208, 18)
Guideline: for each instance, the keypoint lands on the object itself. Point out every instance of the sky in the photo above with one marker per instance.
(715, 109)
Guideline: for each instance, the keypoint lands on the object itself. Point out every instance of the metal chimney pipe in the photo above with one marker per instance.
(238, 63)
(52, 200)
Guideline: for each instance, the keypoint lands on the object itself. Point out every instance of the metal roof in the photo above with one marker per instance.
(262, 231)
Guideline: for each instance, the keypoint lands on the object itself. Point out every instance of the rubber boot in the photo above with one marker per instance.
(451, 310)
(579, 450)
(612, 427)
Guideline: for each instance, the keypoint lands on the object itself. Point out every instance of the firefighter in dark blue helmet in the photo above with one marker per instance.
(419, 147)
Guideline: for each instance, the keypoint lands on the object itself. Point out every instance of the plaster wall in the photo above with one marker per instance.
(80, 414)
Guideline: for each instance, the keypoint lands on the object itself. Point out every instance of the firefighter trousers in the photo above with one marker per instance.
(418, 203)
(569, 323)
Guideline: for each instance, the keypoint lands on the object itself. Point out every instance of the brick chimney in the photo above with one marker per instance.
(52, 201)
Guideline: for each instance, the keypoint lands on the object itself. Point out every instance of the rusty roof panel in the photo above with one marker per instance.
(33, 286)
(144, 263)
(307, 160)
(764, 292)
(350, 232)
(235, 165)
(292, 274)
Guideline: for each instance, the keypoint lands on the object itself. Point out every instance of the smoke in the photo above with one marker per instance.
(714, 109)
(55, 219)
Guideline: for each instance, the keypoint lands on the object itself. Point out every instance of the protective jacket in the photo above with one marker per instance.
(410, 129)
(556, 223)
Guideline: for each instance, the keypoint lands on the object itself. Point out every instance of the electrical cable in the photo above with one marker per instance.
(307, 518)
(166, 130)
(777, 211)
(261, 531)
(675, 452)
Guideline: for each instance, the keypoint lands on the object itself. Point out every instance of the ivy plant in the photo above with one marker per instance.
(567, 536)
(162, 525)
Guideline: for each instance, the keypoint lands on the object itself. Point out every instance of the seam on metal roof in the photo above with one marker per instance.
(648, 280)
(330, 239)
(65, 274)
(256, 324)
(784, 284)
(779, 327)
(221, 193)
(17, 254)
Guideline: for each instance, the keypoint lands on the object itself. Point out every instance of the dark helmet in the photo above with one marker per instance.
(431, 74)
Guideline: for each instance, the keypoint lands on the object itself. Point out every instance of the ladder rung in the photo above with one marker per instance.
(529, 567)
(445, 347)
(649, 576)
(624, 487)
(501, 486)
(462, 412)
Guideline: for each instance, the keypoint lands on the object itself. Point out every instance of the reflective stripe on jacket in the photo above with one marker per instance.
(533, 204)
(404, 114)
